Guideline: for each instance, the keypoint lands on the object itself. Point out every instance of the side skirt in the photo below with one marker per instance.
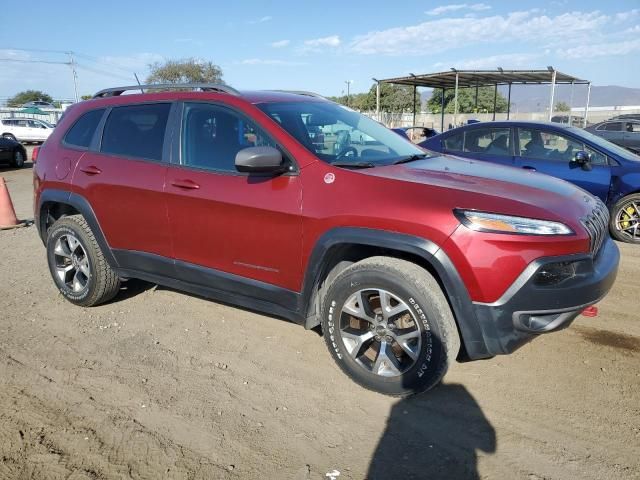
(210, 283)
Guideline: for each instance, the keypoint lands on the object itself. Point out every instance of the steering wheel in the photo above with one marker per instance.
(346, 151)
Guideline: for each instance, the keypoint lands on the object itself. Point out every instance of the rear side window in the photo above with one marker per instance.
(81, 133)
(613, 127)
(136, 131)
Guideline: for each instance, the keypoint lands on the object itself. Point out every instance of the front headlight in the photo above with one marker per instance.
(497, 223)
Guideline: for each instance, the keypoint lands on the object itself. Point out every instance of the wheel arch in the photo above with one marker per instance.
(340, 247)
(54, 204)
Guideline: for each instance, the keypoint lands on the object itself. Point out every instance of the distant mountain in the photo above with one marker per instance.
(535, 98)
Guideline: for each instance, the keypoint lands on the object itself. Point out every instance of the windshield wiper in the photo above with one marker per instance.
(353, 164)
(410, 158)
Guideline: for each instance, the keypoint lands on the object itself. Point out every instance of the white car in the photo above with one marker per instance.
(25, 129)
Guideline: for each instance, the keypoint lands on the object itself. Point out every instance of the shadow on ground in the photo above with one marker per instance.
(433, 436)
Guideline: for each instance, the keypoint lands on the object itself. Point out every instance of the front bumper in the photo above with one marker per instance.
(528, 309)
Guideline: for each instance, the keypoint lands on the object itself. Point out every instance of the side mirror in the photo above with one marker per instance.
(583, 159)
(260, 160)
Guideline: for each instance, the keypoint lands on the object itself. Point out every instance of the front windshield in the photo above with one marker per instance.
(606, 144)
(340, 136)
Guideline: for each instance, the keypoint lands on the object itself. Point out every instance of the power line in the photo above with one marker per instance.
(32, 61)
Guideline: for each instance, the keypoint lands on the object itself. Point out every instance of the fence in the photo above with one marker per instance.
(433, 120)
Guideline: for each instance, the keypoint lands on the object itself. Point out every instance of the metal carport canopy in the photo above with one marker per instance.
(481, 78)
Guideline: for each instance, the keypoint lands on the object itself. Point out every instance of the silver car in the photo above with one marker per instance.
(625, 133)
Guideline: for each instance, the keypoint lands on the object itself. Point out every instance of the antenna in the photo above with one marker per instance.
(137, 80)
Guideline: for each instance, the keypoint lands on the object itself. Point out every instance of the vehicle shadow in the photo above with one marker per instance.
(433, 436)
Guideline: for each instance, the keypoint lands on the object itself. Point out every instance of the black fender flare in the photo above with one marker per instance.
(431, 253)
(81, 205)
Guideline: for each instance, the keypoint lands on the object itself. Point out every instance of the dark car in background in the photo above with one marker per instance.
(416, 134)
(604, 169)
(623, 132)
(12, 153)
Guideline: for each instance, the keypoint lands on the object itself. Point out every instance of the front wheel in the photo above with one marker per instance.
(9, 136)
(18, 159)
(389, 327)
(625, 219)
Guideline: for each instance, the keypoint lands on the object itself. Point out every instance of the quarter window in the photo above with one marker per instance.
(213, 135)
(81, 133)
(136, 131)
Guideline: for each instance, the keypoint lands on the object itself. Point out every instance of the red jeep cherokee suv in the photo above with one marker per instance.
(289, 204)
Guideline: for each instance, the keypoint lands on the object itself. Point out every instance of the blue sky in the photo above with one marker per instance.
(317, 45)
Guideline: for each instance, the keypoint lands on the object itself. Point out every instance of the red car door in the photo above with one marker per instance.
(124, 181)
(235, 223)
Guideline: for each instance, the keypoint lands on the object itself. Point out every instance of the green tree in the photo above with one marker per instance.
(86, 97)
(186, 70)
(393, 99)
(21, 98)
(467, 101)
(562, 107)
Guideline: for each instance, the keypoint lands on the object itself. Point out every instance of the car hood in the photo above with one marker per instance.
(479, 185)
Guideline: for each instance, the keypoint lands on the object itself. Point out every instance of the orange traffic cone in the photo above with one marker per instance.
(8, 217)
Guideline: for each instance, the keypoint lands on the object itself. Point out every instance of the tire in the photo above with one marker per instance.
(77, 264)
(18, 158)
(420, 317)
(9, 136)
(625, 214)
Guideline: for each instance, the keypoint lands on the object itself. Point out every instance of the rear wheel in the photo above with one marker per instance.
(77, 264)
(9, 136)
(625, 219)
(389, 327)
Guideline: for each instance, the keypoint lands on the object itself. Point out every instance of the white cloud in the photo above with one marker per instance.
(449, 33)
(264, 61)
(601, 49)
(476, 7)
(506, 61)
(266, 18)
(280, 43)
(330, 41)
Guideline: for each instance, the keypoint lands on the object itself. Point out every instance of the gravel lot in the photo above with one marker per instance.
(160, 384)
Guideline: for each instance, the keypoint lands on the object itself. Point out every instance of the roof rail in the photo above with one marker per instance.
(205, 87)
(300, 92)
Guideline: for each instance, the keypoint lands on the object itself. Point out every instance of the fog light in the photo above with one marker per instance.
(554, 273)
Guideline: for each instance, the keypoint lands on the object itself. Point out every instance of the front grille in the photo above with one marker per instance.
(597, 224)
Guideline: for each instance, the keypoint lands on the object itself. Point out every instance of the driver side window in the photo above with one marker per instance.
(547, 145)
(213, 135)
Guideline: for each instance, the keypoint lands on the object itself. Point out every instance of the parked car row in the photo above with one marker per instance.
(602, 168)
(621, 131)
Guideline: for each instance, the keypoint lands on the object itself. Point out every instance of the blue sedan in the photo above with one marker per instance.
(606, 170)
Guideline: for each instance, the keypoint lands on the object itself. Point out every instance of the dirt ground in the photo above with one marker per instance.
(160, 384)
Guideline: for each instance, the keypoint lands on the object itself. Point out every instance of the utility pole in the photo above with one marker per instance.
(348, 82)
(72, 64)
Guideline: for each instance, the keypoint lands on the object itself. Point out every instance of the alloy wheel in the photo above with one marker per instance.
(628, 220)
(380, 332)
(71, 263)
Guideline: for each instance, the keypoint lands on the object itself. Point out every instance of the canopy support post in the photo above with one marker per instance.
(476, 105)
(415, 88)
(455, 104)
(586, 108)
(509, 102)
(495, 100)
(553, 92)
(571, 104)
(442, 112)
(378, 101)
